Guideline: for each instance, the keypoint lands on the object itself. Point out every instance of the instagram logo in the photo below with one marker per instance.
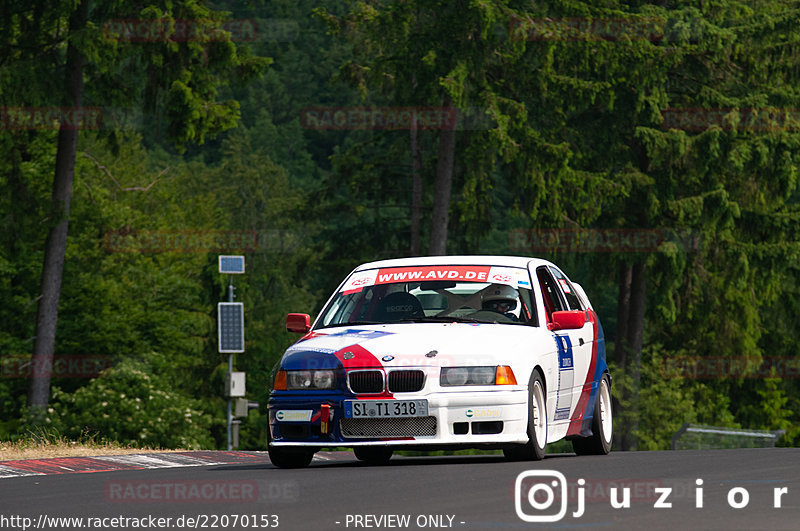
(540, 490)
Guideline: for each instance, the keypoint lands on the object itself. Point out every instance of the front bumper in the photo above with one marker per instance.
(454, 418)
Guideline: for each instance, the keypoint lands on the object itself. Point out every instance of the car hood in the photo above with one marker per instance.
(416, 344)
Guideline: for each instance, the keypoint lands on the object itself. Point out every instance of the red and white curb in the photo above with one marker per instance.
(109, 463)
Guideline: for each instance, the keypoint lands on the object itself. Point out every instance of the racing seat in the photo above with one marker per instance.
(398, 306)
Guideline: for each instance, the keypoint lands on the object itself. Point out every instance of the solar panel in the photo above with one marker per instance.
(233, 265)
(230, 326)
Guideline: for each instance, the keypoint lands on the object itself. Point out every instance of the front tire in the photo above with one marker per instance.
(600, 441)
(373, 455)
(286, 457)
(534, 449)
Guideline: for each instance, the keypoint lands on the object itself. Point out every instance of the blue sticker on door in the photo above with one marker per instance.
(566, 378)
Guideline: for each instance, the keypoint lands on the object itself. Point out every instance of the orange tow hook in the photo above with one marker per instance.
(325, 417)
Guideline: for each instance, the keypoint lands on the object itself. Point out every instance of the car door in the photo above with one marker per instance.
(580, 340)
(573, 346)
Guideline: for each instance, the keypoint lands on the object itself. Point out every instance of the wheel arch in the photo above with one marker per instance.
(538, 368)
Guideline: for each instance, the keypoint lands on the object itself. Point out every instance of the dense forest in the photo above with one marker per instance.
(651, 149)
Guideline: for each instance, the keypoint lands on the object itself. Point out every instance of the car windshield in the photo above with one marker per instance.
(475, 294)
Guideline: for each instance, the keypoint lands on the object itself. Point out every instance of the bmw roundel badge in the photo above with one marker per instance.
(387, 358)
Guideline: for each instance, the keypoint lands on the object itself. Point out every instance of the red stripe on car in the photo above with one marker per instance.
(581, 409)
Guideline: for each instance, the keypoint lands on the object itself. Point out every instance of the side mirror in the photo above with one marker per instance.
(569, 320)
(299, 323)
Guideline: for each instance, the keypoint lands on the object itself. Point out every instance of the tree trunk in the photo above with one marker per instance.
(628, 350)
(634, 343)
(621, 351)
(623, 311)
(636, 318)
(442, 188)
(416, 188)
(56, 243)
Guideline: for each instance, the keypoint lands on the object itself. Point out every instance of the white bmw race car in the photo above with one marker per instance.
(444, 352)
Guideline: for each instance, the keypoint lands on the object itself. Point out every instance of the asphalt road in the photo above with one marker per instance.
(465, 492)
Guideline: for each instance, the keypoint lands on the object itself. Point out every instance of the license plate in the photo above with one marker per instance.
(358, 409)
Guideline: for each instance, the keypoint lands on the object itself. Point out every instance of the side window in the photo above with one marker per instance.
(527, 313)
(553, 299)
(567, 289)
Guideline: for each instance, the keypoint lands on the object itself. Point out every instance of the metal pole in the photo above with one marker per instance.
(230, 401)
(231, 296)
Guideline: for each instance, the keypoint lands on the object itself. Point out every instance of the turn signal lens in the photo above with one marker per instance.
(280, 381)
(504, 376)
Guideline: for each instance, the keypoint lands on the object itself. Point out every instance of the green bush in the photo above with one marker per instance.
(130, 405)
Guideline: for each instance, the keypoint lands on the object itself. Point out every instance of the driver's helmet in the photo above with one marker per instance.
(499, 298)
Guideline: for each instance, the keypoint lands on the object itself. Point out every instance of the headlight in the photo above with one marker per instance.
(467, 376)
(316, 379)
(323, 379)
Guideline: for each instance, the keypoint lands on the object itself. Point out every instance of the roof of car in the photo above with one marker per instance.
(480, 260)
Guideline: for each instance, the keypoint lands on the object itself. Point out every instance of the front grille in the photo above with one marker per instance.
(388, 427)
(365, 381)
(487, 427)
(295, 431)
(406, 381)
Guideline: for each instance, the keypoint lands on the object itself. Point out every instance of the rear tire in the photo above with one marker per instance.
(373, 455)
(600, 441)
(534, 449)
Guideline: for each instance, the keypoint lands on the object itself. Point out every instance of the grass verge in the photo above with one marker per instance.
(45, 444)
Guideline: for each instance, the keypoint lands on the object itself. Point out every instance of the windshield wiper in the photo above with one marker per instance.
(452, 319)
(354, 323)
(441, 319)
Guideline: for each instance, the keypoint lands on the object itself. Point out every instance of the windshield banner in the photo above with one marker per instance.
(500, 275)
